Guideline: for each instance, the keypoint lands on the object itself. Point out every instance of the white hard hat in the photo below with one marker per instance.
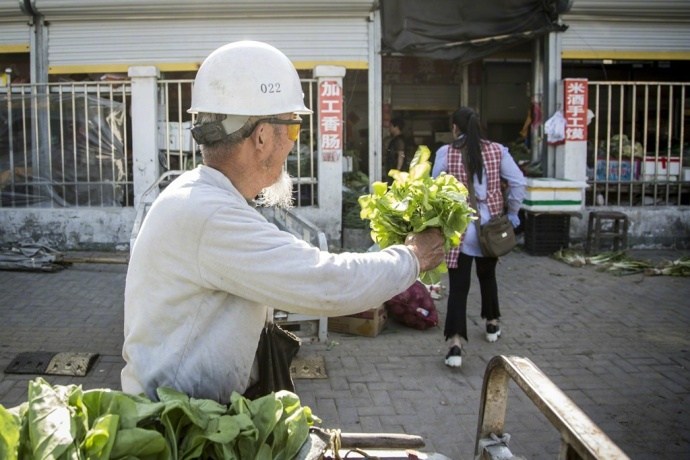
(247, 78)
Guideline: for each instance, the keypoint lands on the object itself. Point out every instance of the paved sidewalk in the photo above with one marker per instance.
(617, 345)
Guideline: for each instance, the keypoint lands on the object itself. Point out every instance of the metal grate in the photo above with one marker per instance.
(178, 151)
(637, 144)
(65, 144)
(52, 363)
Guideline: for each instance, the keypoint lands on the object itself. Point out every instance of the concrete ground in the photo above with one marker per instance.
(618, 346)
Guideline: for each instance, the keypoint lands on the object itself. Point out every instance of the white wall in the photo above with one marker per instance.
(658, 227)
(106, 229)
(109, 229)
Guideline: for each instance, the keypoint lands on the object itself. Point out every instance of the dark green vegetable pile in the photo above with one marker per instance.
(414, 202)
(66, 422)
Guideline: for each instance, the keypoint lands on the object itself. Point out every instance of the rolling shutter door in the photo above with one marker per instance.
(627, 29)
(14, 37)
(626, 40)
(14, 28)
(110, 35)
(183, 44)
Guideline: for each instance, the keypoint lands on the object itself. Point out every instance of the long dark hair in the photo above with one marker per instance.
(468, 123)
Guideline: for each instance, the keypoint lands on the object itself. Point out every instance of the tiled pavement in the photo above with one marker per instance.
(617, 345)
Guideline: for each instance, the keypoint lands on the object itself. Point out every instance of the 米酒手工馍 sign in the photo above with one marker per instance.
(575, 108)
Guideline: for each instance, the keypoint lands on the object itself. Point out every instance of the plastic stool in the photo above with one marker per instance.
(617, 230)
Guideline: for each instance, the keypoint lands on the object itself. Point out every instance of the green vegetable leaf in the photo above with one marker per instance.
(224, 429)
(10, 428)
(66, 423)
(415, 202)
(51, 432)
(266, 412)
(131, 410)
(180, 415)
(140, 443)
(289, 437)
(99, 440)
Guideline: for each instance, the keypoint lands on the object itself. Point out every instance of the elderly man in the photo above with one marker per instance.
(206, 265)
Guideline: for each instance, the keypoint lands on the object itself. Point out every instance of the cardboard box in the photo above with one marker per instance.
(549, 194)
(368, 323)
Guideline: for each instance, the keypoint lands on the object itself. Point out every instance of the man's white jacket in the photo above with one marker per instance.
(205, 268)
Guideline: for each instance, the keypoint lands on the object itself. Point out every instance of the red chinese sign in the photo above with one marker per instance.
(330, 120)
(575, 108)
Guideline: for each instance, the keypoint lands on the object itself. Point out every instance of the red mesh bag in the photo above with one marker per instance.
(414, 307)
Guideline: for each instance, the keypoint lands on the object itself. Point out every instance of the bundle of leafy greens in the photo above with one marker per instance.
(414, 202)
(65, 422)
(619, 263)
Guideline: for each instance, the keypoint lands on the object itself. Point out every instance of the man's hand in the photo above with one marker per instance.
(427, 246)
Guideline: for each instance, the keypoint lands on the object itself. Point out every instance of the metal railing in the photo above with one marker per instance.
(65, 144)
(178, 151)
(69, 143)
(637, 148)
(581, 438)
(302, 228)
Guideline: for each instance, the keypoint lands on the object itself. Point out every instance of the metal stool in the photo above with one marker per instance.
(617, 230)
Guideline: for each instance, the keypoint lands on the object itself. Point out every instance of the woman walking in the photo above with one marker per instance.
(487, 163)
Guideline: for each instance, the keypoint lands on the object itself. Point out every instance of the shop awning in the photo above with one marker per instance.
(465, 30)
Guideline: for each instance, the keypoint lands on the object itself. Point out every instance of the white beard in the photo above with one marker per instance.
(279, 194)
